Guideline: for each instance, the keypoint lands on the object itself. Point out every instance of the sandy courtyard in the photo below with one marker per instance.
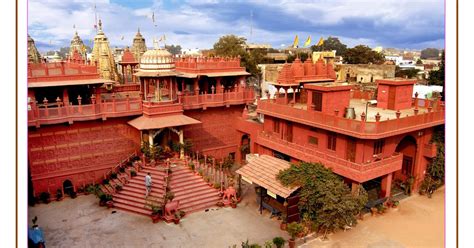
(418, 223)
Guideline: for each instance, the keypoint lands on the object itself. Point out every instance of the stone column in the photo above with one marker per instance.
(218, 85)
(181, 141)
(386, 185)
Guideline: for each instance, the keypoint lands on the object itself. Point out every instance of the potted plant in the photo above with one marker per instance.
(381, 208)
(80, 190)
(113, 175)
(283, 225)
(293, 230)
(45, 197)
(90, 189)
(133, 173)
(109, 201)
(118, 187)
(233, 203)
(217, 185)
(102, 198)
(395, 204)
(279, 242)
(220, 204)
(105, 181)
(169, 196)
(73, 194)
(122, 169)
(177, 217)
(59, 195)
(156, 212)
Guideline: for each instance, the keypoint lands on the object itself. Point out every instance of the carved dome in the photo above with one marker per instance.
(157, 59)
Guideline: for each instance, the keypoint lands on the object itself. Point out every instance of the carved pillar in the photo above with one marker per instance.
(386, 185)
(79, 101)
(181, 141)
(196, 86)
(218, 84)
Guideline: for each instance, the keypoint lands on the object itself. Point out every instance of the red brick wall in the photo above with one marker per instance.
(81, 152)
(217, 135)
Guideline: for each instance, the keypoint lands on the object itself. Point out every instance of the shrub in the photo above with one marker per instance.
(113, 175)
(105, 181)
(133, 173)
(279, 242)
(44, 197)
(122, 170)
(59, 194)
(118, 187)
(217, 185)
(294, 229)
(169, 196)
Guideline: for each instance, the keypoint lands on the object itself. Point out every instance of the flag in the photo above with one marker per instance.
(321, 42)
(295, 43)
(308, 41)
(153, 18)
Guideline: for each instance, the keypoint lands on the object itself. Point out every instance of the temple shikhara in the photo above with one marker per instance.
(106, 123)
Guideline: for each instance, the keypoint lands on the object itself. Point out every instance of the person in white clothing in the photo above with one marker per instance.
(148, 184)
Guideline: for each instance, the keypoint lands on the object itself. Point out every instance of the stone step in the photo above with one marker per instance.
(191, 189)
(132, 203)
(136, 200)
(200, 196)
(183, 183)
(139, 194)
(144, 172)
(132, 209)
(140, 187)
(199, 205)
(195, 195)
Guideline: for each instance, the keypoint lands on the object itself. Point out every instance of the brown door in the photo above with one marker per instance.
(317, 101)
(391, 98)
(351, 149)
(407, 165)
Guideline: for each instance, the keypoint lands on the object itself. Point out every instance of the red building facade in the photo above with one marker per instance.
(80, 126)
(313, 118)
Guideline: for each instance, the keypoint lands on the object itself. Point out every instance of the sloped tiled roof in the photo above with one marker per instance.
(263, 171)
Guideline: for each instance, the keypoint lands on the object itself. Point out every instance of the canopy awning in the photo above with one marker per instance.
(69, 82)
(263, 171)
(147, 123)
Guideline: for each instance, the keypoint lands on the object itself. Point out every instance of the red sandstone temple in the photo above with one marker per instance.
(81, 126)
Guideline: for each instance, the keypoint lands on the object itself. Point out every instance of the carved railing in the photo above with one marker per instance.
(243, 95)
(356, 128)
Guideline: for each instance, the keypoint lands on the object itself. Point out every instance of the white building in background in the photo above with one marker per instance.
(191, 52)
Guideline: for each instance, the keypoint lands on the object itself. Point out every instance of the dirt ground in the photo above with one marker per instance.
(417, 223)
(80, 222)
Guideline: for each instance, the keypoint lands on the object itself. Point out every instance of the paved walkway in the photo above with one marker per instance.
(81, 222)
(418, 223)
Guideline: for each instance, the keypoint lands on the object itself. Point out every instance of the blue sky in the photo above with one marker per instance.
(408, 24)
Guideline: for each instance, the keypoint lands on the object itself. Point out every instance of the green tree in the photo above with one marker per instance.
(437, 77)
(233, 46)
(173, 49)
(323, 195)
(406, 73)
(436, 168)
(331, 43)
(429, 53)
(361, 54)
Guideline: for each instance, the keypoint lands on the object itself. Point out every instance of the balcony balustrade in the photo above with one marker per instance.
(352, 127)
(42, 114)
(242, 96)
(359, 172)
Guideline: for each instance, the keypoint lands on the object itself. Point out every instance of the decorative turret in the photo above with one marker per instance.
(139, 46)
(102, 56)
(33, 54)
(77, 45)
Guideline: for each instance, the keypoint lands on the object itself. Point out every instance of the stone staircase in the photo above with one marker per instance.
(132, 196)
(193, 193)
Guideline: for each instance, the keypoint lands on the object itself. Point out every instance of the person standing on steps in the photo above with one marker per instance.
(148, 184)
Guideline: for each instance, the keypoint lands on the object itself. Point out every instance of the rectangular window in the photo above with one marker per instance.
(317, 101)
(332, 141)
(378, 146)
(313, 140)
(276, 125)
